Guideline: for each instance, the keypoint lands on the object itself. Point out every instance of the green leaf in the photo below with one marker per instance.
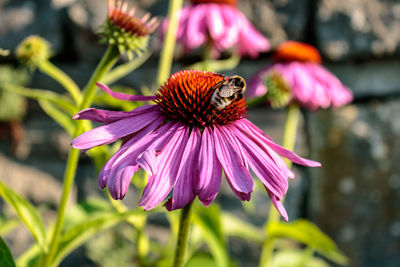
(6, 259)
(60, 101)
(12, 106)
(296, 258)
(80, 233)
(309, 234)
(233, 226)
(7, 225)
(28, 215)
(29, 257)
(81, 211)
(64, 120)
(208, 220)
(201, 260)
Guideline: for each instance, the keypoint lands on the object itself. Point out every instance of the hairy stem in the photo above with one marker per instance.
(183, 234)
(109, 59)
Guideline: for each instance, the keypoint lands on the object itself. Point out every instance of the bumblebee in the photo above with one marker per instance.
(227, 90)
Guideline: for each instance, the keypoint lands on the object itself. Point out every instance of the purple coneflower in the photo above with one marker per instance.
(221, 24)
(297, 75)
(196, 129)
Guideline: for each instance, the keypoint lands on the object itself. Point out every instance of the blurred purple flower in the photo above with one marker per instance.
(310, 84)
(184, 142)
(220, 23)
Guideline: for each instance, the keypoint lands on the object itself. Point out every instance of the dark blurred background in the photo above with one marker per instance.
(354, 198)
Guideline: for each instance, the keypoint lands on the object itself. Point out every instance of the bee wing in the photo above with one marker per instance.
(229, 90)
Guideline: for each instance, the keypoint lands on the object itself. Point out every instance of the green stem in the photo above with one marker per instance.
(183, 235)
(167, 52)
(291, 125)
(62, 78)
(216, 65)
(109, 59)
(289, 139)
(124, 69)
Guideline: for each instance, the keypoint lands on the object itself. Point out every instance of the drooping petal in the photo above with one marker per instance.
(339, 94)
(118, 183)
(238, 176)
(184, 187)
(215, 21)
(269, 168)
(123, 96)
(210, 170)
(126, 164)
(108, 116)
(231, 32)
(251, 42)
(302, 84)
(262, 140)
(278, 205)
(113, 131)
(196, 31)
(159, 185)
(133, 141)
(148, 159)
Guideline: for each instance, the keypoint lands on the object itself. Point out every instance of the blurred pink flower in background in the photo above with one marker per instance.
(309, 83)
(185, 141)
(220, 24)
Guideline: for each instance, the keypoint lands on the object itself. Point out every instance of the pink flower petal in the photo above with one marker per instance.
(210, 170)
(187, 174)
(269, 168)
(196, 31)
(215, 21)
(231, 29)
(148, 159)
(160, 185)
(118, 183)
(107, 116)
(278, 205)
(251, 42)
(137, 141)
(250, 129)
(113, 131)
(123, 96)
(238, 176)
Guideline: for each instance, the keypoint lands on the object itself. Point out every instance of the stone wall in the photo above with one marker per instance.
(354, 198)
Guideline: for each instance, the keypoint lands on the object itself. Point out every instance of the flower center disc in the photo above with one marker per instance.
(187, 97)
(227, 2)
(296, 51)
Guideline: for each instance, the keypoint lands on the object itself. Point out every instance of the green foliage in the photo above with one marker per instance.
(6, 259)
(208, 228)
(80, 233)
(235, 227)
(27, 213)
(306, 232)
(201, 260)
(63, 119)
(296, 258)
(12, 106)
(8, 224)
